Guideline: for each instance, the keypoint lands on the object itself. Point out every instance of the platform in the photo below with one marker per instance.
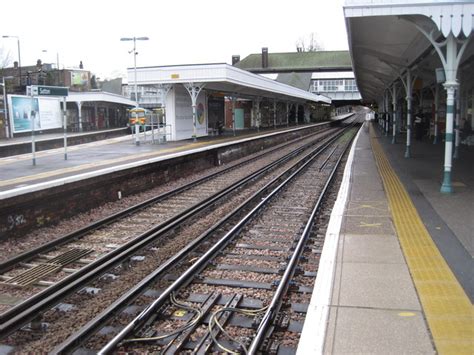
(21, 144)
(370, 295)
(394, 275)
(17, 170)
(108, 170)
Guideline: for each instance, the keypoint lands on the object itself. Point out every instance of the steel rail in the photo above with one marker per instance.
(283, 285)
(189, 274)
(70, 344)
(17, 316)
(77, 234)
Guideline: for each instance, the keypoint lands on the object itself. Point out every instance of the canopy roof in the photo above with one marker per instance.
(385, 39)
(298, 62)
(223, 78)
(98, 96)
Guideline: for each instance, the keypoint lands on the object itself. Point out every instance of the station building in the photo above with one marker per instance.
(327, 73)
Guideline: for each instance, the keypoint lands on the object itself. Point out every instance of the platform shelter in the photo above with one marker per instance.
(415, 61)
(191, 94)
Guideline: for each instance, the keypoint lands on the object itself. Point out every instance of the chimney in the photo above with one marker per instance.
(38, 63)
(264, 57)
(81, 66)
(15, 64)
(235, 59)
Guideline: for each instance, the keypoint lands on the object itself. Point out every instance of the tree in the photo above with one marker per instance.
(309, 44)
(5, 58)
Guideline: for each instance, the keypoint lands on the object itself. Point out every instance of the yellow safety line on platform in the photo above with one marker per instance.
(82, 167)
(448, 310)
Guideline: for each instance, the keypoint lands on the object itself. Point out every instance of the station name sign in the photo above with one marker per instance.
(37, 90)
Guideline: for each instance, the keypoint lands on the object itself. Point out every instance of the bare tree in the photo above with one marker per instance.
(5, 58)
(309, 44)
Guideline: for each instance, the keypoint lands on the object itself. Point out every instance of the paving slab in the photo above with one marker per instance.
(359, 194)
(367, 208)
(373, 249)
(377, 285)
(367, 224)
(377, 331)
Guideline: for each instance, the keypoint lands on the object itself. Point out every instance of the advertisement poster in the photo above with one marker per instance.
(46, 112)
(79, 78)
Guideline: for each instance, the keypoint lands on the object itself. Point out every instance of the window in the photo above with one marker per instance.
(332, 85)
(350, 85)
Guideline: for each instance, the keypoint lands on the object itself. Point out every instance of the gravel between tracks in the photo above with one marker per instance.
(89, 307)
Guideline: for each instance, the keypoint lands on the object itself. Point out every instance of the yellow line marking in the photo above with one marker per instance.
(448, 310)
(81, 168)
(365, 206)
(407, 314)
(363, 224)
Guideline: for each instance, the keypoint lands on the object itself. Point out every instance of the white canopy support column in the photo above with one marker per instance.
(79, 114)
(408, 82)
(296, 114)
(394, 112)
(436, 104)
(450, 62)
(383, 114)
(306, 113)
(194, 89)
(163, 89)
(274, 113)
(256, 108)
(258, 101)
(234, 99)
(387, 111)
(457, 136)
(107, 116)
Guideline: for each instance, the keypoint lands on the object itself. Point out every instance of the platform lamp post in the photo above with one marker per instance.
(5, 111)
(135, 39)
(19, 57)
(57, 57)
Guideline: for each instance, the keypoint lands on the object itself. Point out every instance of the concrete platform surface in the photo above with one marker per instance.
(18, 171)
(374, 306)
(370, 297)
(449, 218)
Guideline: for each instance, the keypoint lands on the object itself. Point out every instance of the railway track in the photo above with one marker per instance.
(232, 296)
(28, 310)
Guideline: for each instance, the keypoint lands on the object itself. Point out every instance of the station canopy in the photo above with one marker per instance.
(99, 96)
(223, 79)
(385, 38)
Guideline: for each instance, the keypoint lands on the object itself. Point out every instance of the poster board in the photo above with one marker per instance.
(47, 113)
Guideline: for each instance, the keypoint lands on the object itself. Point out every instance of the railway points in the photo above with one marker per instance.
(369, 212)
(291, 238)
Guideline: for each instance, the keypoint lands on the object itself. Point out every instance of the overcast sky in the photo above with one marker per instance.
(180, 31)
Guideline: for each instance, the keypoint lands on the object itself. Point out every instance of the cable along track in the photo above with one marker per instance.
(44, 295)
(231, 296)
